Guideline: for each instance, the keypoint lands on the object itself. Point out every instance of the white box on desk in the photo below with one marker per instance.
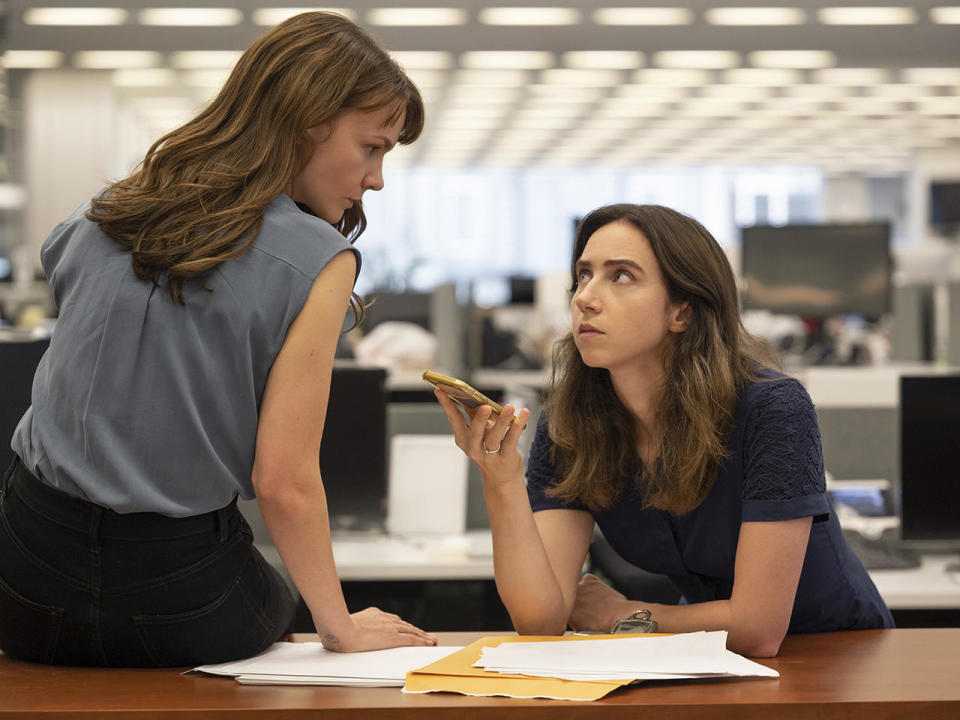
(427, 488)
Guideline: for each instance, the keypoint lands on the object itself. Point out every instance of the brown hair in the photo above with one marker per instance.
(594, 435)
(199, 196)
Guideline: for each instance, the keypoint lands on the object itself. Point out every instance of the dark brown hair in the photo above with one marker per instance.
(594, 435)
(199, 196)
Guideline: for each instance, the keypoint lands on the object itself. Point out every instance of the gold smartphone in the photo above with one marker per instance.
(461, 392)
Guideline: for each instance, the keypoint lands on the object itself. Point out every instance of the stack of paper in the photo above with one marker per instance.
(311, 664)
(579, 667)
(672, 657)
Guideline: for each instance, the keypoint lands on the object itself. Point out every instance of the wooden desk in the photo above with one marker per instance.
(868, 675)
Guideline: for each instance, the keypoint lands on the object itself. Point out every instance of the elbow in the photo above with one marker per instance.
(755, 644)
(542, 628)
(283, 485)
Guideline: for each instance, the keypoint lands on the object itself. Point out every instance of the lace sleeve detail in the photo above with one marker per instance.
(783, 460)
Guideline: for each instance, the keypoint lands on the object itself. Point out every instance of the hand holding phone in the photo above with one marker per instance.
(462, 393)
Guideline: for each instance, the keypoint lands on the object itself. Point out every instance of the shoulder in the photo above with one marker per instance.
(773, 394)
(301, 240)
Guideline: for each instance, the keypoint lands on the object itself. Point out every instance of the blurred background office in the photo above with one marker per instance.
(818, 141)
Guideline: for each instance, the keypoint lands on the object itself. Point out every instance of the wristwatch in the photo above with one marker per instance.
(639, 621)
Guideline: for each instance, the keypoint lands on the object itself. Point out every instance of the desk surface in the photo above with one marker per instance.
(867, 675)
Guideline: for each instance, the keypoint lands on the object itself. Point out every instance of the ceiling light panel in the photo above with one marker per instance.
(697, 59)
(197, 59)
(795, 59)
(492, 77)
(423, 59)
(75, 16)
(31, 59)
(581, 78)
(418, 16)
(115, 59)
(642, 16)
(866, 16)
(772, 77)
(506, 59)
(852, 76)
(190, 16)
(736, 92)
(529, 16)
(652, 92)
(565, 93)
(899, 91)
(275, 15)
(603, 59)
(672, 76)
(816, 92)
(755, 16)
(931, 76)
(945, 15)
(144, 77)
(427, 79)
(206, 78)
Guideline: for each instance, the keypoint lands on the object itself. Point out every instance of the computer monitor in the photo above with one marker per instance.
(353, 452)
(817, 271)
(411, 307)
(930, 459)
(945, 204)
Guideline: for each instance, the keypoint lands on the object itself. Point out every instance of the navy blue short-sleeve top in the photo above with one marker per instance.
(773, 471)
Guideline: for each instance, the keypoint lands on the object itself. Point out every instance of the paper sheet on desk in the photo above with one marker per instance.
(311, 664)
(587, 668)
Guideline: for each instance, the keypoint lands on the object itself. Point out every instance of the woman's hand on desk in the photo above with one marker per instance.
(374, 629)
(598, 605)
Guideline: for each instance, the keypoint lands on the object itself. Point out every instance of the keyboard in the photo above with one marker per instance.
(880, 553)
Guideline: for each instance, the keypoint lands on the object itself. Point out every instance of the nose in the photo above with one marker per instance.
(374, 178)
(586, 299)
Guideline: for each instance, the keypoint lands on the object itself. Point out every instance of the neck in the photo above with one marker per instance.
(639, 389)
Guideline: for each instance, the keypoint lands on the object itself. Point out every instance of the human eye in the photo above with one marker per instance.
(582, 276)
(622, 276)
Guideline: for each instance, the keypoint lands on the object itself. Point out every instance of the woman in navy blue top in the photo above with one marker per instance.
(665, 427)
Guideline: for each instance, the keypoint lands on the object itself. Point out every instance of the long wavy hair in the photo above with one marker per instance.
(595, 436)
(198, 197)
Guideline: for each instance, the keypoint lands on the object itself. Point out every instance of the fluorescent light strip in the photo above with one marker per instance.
(580, 78)
(852, 76)
(697, 59)
(31, 59)
(651, 92)
(673, 76)
(892, 91)
(816, 93)
(949, 15)
(75, 16)
(565, 93)
(427, 79)
(206, 78)
(773, 77)
(506, 59)
(755, 16)
(866, 16)
(472, 95)
(418, 16)
(643, 16)
(190, 16)
(932, 76)
(736, 92)
(529, 16)
(423, 59)
(795, 59)
(199, 59)
(492, 78)
(603, 59)
(115, 59)
(144, 77)
(276, 15)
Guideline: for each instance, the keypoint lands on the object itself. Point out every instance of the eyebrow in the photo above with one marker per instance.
(612, 262)
(387, 141)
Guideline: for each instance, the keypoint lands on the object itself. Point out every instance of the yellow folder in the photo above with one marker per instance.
(456, 673)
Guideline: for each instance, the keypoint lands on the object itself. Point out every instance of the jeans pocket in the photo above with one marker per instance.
(28, 630)
(229, 628)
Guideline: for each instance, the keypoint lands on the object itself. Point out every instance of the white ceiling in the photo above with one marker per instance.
(865, 100)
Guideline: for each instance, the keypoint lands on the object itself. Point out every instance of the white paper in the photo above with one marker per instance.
(298, 663)
(688, 655)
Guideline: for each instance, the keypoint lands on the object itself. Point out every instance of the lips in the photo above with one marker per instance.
(588, 330)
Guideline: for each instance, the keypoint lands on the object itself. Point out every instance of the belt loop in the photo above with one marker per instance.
(222, 521)
(96, 518)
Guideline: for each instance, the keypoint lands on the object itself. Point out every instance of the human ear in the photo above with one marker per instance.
(680, 316)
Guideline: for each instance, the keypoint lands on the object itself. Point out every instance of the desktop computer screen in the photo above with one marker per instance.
(353, 452)
(945, 204)
(817, 271)
(930, 458)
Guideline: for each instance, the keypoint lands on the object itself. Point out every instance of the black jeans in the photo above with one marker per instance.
(83, 585)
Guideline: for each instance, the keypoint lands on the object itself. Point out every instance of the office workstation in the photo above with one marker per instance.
(831, 180)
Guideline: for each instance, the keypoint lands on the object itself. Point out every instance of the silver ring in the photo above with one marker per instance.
(488, 451)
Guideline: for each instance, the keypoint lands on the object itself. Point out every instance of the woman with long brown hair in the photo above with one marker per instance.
(666, 425)
(200, 303)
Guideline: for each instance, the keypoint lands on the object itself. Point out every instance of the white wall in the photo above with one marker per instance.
(69, 137)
